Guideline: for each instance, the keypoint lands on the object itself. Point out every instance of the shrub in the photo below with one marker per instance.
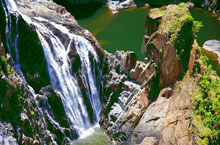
(206, 104)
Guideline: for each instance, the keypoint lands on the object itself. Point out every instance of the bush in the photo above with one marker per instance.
(206, 104)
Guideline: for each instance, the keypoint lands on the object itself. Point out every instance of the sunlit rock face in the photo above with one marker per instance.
(213, 46)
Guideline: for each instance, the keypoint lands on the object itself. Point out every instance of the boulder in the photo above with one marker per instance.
(190, 4)
(114, 5)
(213, 46)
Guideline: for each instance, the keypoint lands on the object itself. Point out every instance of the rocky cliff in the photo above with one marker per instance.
(36, 115)
(158, 108)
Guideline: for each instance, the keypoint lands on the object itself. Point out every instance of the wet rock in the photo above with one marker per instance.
(19, 107)
(58, 14)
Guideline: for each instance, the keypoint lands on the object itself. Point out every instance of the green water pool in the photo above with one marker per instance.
(123, 31)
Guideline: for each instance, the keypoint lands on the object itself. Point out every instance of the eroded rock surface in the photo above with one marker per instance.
(165, 119)
(126, 88)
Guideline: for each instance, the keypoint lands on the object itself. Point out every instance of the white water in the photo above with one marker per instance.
(12, 40)
(60, 70)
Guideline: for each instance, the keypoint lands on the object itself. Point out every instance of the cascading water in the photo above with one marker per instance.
(12, 43)
(59, 68)
(12, 40)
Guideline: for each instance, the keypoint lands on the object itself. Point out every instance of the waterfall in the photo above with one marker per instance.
(12, 40)
(59, 67)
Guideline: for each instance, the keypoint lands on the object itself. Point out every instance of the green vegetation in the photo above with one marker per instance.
(206, 108)
(157, 13)
(32, 58)
(10, 103)
(3, 64)
(178, 17)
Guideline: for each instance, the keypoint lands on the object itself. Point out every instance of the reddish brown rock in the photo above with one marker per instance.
(168, 41)
(142, 71)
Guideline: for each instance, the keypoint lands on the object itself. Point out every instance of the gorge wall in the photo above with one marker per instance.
(70, 101)
(158, 105)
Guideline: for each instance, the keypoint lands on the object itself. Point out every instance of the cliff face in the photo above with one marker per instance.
(162, 116)
(21, 121)
(162, 100)
(37, 116)
(171, 43)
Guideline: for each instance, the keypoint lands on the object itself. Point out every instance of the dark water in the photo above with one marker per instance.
(209, 31)
(211, 25)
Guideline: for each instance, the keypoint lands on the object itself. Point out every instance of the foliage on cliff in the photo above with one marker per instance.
(169, 39)
(177, 19)
(16, 106)
(206, 103)
(10, 103)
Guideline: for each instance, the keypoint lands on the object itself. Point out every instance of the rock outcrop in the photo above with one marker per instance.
(213, 46)
(115, 5)
(169, 45)
(126, 92)
(21, 120)
(165, 119)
